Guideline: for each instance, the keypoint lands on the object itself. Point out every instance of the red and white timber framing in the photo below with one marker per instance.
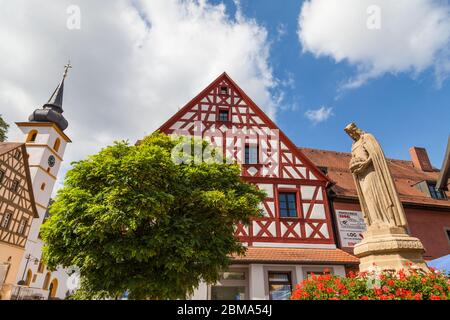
(282, 167)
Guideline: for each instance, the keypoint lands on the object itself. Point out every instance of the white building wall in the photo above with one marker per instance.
(258, 280)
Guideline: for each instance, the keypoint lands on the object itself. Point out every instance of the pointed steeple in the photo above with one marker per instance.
(52, 110)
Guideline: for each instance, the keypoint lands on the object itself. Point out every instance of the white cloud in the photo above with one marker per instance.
(135, 63)
(319, 115)
(414, 35)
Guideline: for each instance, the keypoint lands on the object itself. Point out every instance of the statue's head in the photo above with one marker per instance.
(353, 131)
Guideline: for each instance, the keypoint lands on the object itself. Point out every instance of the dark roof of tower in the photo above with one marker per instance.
(52, 110)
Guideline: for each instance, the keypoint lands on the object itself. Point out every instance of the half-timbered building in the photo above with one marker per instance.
(17, 211)
(294, 238)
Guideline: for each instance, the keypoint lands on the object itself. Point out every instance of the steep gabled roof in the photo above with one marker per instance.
(6, 147)
(224, 76)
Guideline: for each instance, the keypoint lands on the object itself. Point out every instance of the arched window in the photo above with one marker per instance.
(29, 277)
(32, 136)
(46, 281)
(57, 144)
(53, 288)
(41, 267)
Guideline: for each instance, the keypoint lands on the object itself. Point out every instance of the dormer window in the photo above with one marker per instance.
(434, 192)
(324, 170)
(223, 90)
(224, 115)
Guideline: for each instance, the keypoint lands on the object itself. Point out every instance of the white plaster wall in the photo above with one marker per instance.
(256, 282)
(201, 293)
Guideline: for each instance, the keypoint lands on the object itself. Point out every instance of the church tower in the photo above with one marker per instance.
(45, 142)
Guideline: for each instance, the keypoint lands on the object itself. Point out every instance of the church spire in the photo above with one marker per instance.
(52, 110)
(56, 99)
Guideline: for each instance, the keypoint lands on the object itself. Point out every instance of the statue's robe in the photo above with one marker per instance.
(378, 196)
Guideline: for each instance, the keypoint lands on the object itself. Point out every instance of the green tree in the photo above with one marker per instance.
(3, 129)
(133, 220)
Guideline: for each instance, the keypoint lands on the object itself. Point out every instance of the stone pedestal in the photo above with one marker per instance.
(389, 248)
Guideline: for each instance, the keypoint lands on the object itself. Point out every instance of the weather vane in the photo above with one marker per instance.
(66, 69)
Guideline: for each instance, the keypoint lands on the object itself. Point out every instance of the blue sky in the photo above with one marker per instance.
(136, 62)
(402, 110)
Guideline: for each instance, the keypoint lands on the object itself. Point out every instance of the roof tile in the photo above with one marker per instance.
(296, 255)
(405, 176)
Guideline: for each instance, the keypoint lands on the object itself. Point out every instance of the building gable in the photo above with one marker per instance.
(17, 201)
(226, 117)
(247, 124)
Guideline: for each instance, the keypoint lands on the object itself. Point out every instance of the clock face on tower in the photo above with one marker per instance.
(51, 160)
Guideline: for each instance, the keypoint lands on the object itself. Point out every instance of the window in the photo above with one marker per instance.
(32, 136)
(251, 154)
(324, 170)
(22, 226)
(310, 273)
(15, 185)
(223, 115)
(41, 267)
(280, 285)
(29, 277)
(46, 281)
(288, 204)
(43, 186)
(17, 154)
(435, 193)
(6, 220)
(223, 90)
(232, 285)
(57, 144)
(2, 175)
(233, 275)
(227, 293)
(447, 231)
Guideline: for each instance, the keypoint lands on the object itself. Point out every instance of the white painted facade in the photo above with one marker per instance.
(43, 177)
(256, 278)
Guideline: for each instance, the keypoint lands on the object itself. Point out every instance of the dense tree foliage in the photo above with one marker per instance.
(3, 129)
(133, 220)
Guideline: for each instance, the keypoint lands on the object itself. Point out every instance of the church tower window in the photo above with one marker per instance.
(32, 135)
(57, 144)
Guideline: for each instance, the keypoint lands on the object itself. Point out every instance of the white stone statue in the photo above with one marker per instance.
(386, 243)
(376, 190)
